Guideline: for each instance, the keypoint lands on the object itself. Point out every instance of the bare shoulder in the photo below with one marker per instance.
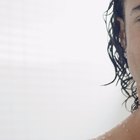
(128, 129)
(113, 134)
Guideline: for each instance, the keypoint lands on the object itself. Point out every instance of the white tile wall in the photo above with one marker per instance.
(53, 60)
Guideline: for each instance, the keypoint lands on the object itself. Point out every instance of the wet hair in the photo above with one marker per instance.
(117, 53)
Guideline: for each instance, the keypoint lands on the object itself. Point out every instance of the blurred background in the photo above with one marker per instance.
(53, 61)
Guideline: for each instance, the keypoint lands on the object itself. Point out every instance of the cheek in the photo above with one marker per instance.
(133, 55)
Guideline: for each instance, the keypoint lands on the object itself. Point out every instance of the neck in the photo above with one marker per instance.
(134, 124)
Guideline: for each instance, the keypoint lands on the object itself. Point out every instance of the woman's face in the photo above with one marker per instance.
(130, 32)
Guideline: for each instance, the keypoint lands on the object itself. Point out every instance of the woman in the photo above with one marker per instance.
(124, 51)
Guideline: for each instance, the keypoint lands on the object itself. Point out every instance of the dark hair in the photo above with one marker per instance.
(117, 52)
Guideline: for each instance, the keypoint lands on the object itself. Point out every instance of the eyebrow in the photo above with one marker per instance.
(135, 9)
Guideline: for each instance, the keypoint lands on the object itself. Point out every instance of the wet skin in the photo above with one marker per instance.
(129, 129)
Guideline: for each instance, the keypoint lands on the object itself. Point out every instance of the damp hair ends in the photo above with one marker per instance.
(117, 54)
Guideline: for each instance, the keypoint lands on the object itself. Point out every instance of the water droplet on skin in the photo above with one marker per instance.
(109, 135)
(103, 138)
(123, 125)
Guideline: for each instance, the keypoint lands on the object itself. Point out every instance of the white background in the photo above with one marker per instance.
(53, 59)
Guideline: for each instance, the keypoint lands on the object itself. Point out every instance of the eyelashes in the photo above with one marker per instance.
(137, 19)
